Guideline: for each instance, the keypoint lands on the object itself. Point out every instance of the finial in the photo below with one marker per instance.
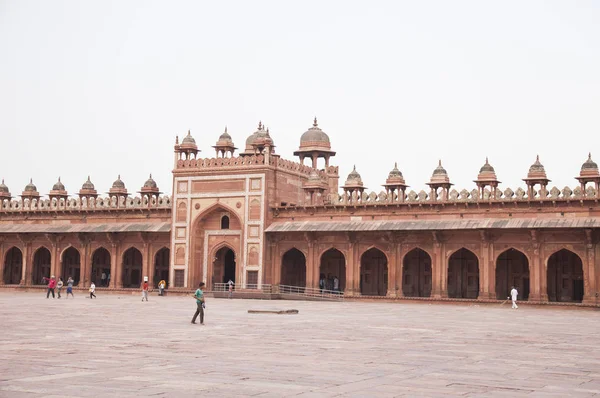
(260, 125)
(354, 167)
(225, 128)
(89, 178)
(590, 156)
(486, 160)
(315, 122)
(31, 180)
(537, 158)
(176, 140)
(119, 177)
(58, 178)
(395, 165)
(189, 133)
(440, 164)
(150, 175)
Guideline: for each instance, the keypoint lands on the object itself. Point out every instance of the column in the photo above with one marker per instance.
(86, 269)
(393, 269)
(2, 260)
(116, 267)
(271, 277)
(26, 271)
(439, 279)
(536, 272)
(400, 253)
(492, 271)
(146, 262)
(485, 268)
(310, 266)
(53, 260)
(589, 286)
(351, 284)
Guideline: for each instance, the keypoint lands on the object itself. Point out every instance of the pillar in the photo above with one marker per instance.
(352, 283)
(400, 253)
(486, 268)
(590, 287)
(2, 261)
(312, 270)
(492, 271)
(393, 269)
(86, 268)
(26, 270)
(116, 265)
(537, 272)
(146, 262)
(439, 279)
(271, 277)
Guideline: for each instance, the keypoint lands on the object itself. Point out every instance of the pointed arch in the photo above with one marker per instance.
(463, 274)
(332, 266)
(71, 264)
(161, 265)
(293, 268)
(224, 264)
(565, 276)
(42, 260)
(13, 266)
(101, 262)
(512, 269)
(181, 214)
(416, 273)
(234, 220)
(131, 276)
(373, 272)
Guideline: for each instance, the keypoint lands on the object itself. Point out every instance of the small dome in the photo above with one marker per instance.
(225, 136)
(88, 185)
(314, 136)
(537, 167)
(487, 167)
(259, 137)
(59, 186)
(439, 176)
(440, 170)
(395, 173)
(150, 183)
(314, 177)
(354, 178)
(3, 188)
(118, 184)
(30, 187)
(589, 164)
(188, 139)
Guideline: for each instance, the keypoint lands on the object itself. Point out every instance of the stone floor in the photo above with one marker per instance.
(118, 346)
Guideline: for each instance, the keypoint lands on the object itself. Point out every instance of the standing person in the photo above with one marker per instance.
(103, 277)
(161, 287)
(199, 296)
(51, 286)
(230, 288)
(59, 286)
(513, 294)
(145, 290)
(70, 287)
(92, 290)
(108, 280)
(336, 284)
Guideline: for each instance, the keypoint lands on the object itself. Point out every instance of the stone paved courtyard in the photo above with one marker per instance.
(119, 346)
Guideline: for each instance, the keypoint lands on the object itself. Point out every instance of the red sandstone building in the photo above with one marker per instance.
(260, 220)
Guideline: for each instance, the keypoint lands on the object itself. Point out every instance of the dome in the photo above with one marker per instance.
(3, 188)
(487, 167)
(395, 173)
(225, 136)
(440, 171)
(314, 177)
(315, 137)
(88, 185)
(59, 186)
(537, 167)
(589, 164)
(439, 175)
(188, 139)
(30, 187)
(150, 183)
(118, 184)
(354, 178)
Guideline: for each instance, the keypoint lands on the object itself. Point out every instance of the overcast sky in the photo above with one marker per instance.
(103, 88)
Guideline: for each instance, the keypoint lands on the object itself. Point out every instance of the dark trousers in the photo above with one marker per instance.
(92, 294)
(50, 291)
(199, 311)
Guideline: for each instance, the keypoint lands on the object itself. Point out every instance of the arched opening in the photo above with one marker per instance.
(71, 265)
(132, 268)
(224, 266)
(463, 275)
(512, 269)
(13, 266)
(41, 266)
(416, 274)
(565, 277)
(225, 222)
(333, 265)
(101, 267)
(373, 273)
(293, 268)
(161, 266)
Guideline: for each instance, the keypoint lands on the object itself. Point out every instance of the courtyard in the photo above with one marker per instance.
(119, 346)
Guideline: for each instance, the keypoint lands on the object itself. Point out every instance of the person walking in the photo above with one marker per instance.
(513, 294)
(59, 286)
(145, 290)
(230, 288)
(70, 282)
(161, 287)
(199, 296)
(51, 286)
(93, 290)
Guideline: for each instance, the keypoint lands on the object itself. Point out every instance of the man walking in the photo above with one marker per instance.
(51, 286)
(199, 296)
(513, 294)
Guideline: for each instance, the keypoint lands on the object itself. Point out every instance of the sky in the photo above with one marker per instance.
(102, 88)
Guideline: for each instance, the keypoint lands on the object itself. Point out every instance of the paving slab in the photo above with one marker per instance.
(118, 346)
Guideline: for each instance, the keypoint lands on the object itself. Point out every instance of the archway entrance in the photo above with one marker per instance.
(132, 268)
(224, 266)
(41, 266)
(565, 277)
(161, 266)
(13, 266)
(463, 275)
(71, 265)
(512, 269)
(416, 274)
(101, 265)
(293, 268)
(373, 273)
(333, 264)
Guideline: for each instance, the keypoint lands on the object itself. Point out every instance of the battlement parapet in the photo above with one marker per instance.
(84, 204)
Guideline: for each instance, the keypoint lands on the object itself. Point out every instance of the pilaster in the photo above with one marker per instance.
(2, 260)
(590, 288)
(537, 271)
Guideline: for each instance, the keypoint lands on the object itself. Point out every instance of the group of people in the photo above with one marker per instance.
(105, 279)
(53, 283)
(331, 283)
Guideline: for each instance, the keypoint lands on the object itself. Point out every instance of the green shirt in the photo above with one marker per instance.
(199, 296)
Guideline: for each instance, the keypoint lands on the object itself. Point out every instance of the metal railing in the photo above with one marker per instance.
(296, 291)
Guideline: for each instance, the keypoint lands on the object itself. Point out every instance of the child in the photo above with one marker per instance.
(59, 286)
(92, 290)
(145, 290)
(70, 287)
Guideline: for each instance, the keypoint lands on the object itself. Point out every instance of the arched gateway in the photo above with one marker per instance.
(463, 275)
(41, 266)
(565, 277)
(13, 266)
(293, 268)
(373, 273)
(512, 269)
(71, 265)
(332, 265)
(224, 266)
(416, 274)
